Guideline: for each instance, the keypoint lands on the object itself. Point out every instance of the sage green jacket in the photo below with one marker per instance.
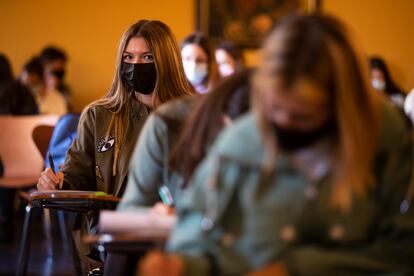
(234, 219)
(149, 162)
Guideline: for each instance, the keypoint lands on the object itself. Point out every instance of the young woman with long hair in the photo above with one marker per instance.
(314, 182)
(148, 72)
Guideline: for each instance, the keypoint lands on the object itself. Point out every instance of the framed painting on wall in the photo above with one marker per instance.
(244, 22)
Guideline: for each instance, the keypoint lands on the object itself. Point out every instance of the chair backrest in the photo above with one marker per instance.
(18, 152)
(41, 136)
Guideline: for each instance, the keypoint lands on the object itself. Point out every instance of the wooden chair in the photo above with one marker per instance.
(41, 136)
(21, 159)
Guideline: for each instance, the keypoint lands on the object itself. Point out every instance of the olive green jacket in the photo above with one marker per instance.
(149, 162)
(234, 219)
(89, 162)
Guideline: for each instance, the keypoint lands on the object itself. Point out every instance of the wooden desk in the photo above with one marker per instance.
(126, 243)
(87, 203)
(73, 201)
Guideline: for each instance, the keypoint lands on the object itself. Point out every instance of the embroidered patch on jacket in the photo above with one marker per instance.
(106, 144)
(98, 173)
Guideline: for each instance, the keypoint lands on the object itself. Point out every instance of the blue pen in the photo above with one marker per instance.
(166, 196)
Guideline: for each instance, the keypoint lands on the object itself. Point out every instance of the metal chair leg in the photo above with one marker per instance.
(76, 258)
(47, 229)
(62, 227)
(25, 243)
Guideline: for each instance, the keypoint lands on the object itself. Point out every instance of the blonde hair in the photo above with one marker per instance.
(171, 82)
(323, 49)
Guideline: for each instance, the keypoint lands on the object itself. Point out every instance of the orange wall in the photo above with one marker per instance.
(89, 31)
(385, 28)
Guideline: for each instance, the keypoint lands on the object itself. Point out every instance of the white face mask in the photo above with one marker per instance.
(378, 84)
(226, 69)
(195, 72)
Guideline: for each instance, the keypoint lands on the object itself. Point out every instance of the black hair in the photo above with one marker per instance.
(390, 86)
(231, 48)
(201, 40)
(34, 66)
(51, 53)
(6, 73)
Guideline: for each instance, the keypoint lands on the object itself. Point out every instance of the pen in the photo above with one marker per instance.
(166, 196)
(52, 164)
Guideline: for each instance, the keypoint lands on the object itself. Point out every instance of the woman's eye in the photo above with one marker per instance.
(148, 58)
(127, 57)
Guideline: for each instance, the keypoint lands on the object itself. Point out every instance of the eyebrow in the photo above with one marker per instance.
(144, 53)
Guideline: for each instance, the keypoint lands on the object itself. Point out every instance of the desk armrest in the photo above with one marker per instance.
(73, 201)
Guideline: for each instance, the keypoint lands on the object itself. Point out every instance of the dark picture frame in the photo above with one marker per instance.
(244, 22)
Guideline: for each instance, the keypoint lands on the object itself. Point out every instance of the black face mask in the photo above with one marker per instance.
(293, 139)
(59, 74)
(140, 77)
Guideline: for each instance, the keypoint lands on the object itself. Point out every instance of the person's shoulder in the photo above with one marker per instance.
(241, 141)
(96, 108)
(394, 125)
(95, 112)
(393, 117)
(176, 109)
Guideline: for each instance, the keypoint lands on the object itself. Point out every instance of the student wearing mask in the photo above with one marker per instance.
(163, 146)
(32, 76)
(163, 162)
(48, 100)
(314, 182)
(229, 58)
(382, 82)
(54, 62)
(199, 63)
(148, 72)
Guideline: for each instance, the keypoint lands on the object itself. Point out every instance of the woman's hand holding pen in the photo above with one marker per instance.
(48, 180)
(160, 208)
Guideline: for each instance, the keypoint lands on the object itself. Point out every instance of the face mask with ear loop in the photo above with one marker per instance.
(195, 72)
(140, 77)
(291, 140)
(378, 84)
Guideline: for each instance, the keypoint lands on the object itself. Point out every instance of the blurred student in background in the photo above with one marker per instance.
(54, 62)
(48, 100)
(229, 58)
(32, 76)
(176, 137)
(409, 106)
(314, 182)
(173, 141)
(199, 63)
(382, 82)
(15, 99)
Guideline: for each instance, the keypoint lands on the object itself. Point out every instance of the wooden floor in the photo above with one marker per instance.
(39, 263)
